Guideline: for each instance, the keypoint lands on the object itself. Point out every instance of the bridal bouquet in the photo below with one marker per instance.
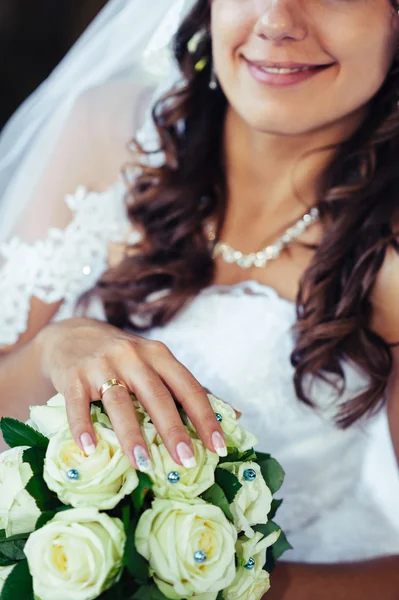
(77, 527)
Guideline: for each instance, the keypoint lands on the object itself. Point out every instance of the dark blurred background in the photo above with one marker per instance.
(34, 36)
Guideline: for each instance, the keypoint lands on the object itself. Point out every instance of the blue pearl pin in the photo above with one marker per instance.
(200, 557)
(219, 417)
(174, 477)
(73, 474)
(249, 475)
(250, 564)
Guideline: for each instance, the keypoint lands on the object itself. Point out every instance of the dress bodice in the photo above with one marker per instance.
(237, 341)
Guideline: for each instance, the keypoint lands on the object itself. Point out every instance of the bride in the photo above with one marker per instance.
(249, 246)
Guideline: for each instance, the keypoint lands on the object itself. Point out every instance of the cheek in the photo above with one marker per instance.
(231, 25)
(365, 55)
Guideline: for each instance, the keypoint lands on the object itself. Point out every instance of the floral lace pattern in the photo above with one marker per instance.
(64, 265)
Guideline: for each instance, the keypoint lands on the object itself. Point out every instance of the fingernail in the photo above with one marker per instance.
(89, 447)
(142, 459)
(186, 455)
(219, 444)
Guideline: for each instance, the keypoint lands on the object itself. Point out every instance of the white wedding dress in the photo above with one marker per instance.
(341, 488)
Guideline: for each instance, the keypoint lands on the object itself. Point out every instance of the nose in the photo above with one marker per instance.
(281, 20)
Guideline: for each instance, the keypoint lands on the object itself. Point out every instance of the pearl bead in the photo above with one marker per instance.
(200, 556)
(174, 477)
(73, 474)
(219, 417)
(249, 475)
(250, 564)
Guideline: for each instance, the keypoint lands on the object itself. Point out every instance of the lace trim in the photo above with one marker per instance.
(66, 264)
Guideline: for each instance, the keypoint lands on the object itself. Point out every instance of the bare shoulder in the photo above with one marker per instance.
(385, 298)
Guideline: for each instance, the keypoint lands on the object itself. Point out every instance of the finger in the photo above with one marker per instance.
(193, 397)
(122, 414)
(77, 400)
(157, 400)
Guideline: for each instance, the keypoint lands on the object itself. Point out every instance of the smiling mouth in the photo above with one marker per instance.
(288, 69)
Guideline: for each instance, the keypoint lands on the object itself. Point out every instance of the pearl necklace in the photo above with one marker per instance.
(260, 259)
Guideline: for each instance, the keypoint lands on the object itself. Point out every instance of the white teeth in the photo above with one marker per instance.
(283, 71)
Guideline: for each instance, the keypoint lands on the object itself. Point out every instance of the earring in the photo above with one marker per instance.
(213, 83)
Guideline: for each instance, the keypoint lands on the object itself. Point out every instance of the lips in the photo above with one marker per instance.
(283, 74)
(291, 66)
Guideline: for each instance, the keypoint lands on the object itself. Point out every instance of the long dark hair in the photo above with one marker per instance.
(173, 263)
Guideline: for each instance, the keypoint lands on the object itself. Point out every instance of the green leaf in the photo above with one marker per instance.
(249, 455)
(18, 584)
(282, 544)
(16, 434)
(215, 495)
(262, 456)
(35, 458)
(149, 592)
(13, 538)
(113, 593)
(272, 473)
(45, 499)
(11, 551)
(228, 482)
(274, 508)
(235, 455)
(135, 563)
(270, 563)
(141, 491)
(2, 534)
(44, 518)
(220, 596)
(126, 517)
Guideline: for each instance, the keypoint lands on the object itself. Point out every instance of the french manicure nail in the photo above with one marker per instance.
(186, 455)
(219, 444)
(143, 459)
(89, 447)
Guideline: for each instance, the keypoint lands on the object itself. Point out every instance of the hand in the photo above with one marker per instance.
(80, 355)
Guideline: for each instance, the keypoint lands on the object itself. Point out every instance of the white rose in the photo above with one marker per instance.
(77, 555)
(251, 581)
(171, 533)
(235, 435)
(4, 573)
(192, 482)
(100, 480)
(18, 510)
(141, 414)
(253, 501)
(51, 418)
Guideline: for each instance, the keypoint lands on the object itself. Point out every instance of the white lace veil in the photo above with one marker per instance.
(129, 38)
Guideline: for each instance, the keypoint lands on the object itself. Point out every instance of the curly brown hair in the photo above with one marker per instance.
(173, 262)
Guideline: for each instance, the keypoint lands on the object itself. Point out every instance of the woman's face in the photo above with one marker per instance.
(343, 48)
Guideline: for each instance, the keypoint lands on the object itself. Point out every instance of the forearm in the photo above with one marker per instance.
(22, 382)
(366, 580)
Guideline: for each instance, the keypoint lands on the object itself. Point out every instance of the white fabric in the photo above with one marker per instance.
(342, 487)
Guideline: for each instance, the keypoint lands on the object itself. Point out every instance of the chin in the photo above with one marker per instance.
(283, 127)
